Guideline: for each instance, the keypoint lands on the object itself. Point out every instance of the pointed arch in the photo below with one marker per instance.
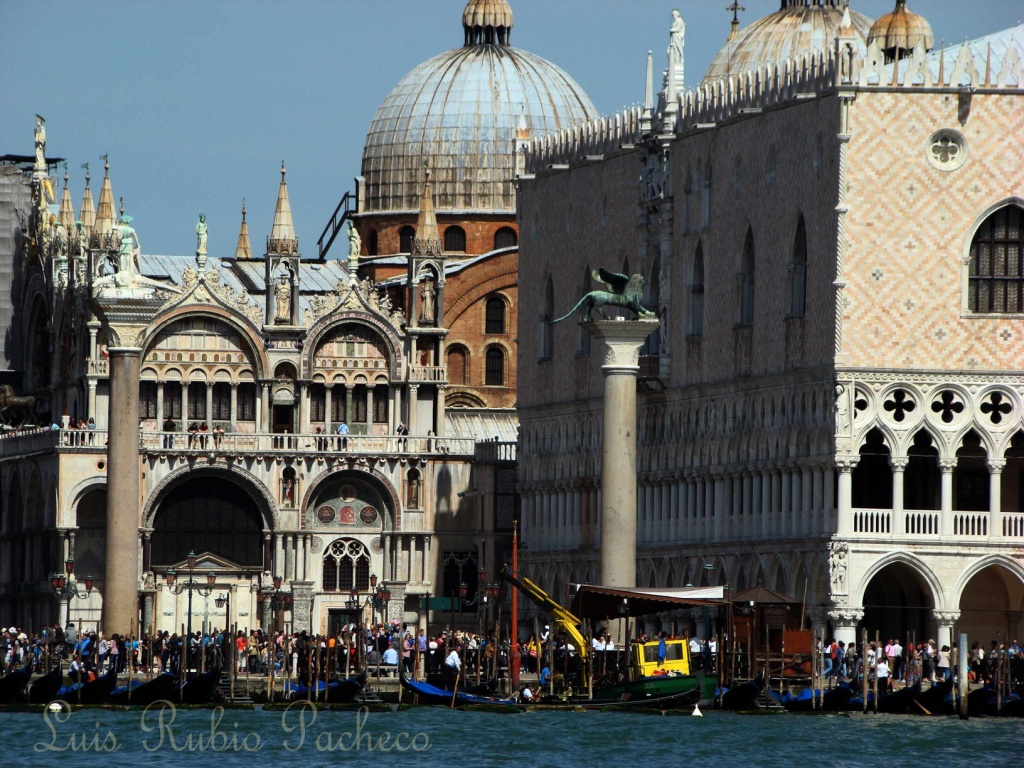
(696, 324)
(798, 271)
(746, 284)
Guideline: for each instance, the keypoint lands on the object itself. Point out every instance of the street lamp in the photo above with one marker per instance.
(192, 586)
(65, 588)
(278, 600)
(222, 600)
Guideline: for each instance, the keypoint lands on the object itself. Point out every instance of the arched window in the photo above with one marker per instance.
(697, 293)
(798, 272)
(997, 263)
(346, 567)
(746, 281)
(495, 316)
(495, 374)
(546, 347)
(371, 243)
(454, 239)
(405, 237)
(458, 365)
(504, 238)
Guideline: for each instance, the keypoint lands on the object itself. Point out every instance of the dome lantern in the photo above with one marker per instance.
(900, 32)
(487, 22)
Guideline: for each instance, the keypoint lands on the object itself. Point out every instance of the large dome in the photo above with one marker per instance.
(800, 27)
(460, 112)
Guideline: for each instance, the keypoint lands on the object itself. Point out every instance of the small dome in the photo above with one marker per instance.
(487, 21)
(800, 27)
(901, 30)
(460, 112)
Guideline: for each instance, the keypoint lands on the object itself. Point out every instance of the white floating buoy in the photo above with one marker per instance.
(55, 706)
(696, 712)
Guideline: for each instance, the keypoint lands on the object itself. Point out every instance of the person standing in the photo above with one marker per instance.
(452, 667)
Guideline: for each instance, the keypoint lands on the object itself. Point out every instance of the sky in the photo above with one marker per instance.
(197, 103)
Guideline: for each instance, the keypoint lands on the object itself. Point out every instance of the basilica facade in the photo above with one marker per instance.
(833, 404)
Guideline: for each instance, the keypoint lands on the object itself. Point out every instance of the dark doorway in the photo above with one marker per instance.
(898, 601)
(284, 419)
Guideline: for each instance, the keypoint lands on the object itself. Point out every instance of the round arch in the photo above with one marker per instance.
(976, 567)
(229, 318)
(244, 479)
(325, 326)
(899, 558)
(373, 477)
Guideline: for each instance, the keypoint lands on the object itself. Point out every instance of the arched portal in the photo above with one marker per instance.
(990, 605)
(215, 516)
(91, 539)
(898, 600)
(350, 503)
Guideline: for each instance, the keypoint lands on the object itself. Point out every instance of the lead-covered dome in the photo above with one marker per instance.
(800, 27)
(460, 111)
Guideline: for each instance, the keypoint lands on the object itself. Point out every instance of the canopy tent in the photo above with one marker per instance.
(593, 601)
(761, 595)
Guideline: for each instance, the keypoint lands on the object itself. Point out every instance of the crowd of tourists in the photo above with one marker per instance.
(890, 662)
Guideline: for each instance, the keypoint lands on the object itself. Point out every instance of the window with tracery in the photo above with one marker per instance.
(346, 566)
(996, 282)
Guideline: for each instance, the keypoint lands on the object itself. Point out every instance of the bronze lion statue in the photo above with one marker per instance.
(625, 292)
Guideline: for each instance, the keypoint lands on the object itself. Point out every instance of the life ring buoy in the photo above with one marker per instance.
(798, 659)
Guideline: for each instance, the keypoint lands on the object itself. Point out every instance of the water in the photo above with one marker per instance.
(429, 737)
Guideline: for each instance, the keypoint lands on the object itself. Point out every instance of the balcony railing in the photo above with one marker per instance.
(99, 367)
(426, 373)
(492, 452)
(326, 445)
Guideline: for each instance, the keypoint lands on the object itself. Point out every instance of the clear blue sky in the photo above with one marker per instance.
(199, 102)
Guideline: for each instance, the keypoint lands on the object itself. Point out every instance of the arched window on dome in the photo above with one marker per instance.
(798, 272)
(371, 243)
(346, 567)
(494, 315)
(546, 340)
(505, 238)
(697, 293)
(996, 278)
(746, 281)
(405, 237)
(455, 240)
(495, 367)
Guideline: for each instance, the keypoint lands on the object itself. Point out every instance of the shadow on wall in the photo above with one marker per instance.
(443, 493)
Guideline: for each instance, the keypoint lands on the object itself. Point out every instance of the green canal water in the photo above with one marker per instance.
(438, 737)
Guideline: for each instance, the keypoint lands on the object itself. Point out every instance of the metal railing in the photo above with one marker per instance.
(259, 444)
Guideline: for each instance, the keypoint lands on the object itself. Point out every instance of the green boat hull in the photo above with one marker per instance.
(660, 686)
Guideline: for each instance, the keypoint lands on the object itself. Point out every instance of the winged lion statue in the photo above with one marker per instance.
(625, 292)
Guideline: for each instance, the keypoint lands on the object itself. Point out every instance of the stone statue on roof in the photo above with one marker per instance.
(130, 248)
(40, 136)
(201, 233)
(355, 242)
(677, 35)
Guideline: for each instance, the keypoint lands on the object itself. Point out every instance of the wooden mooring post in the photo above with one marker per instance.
(962, 682)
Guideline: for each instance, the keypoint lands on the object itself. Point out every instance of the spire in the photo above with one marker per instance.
(66, 214)
(244, 249)
(735, 28)
(428, 239)
(282, 238)
(88, 210)
(105, 212)
(487, 22)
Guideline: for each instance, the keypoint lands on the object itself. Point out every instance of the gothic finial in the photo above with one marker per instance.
(735, 8)
(121, 207)
(105, 157)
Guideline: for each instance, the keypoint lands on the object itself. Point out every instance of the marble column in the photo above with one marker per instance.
(995, 497)
(121, 572)
(845, 465)
(899, 519)
(623, 340)
(844, 623)
(946, 515)
(944, 621)
(234, 406)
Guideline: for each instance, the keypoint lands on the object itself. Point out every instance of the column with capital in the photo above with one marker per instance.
(844, 622)
(127, 312)
(944, 621)
(946, 515)
(899, 519)
(995, 496)
(623, 340)
(845, 465)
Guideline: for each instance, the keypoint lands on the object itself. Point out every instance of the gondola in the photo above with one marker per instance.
(12, 684)
(335, 692)
(93, 692)
(431, 694)
(900, 702)
(662, 701)
(980, 701)
(1012, 707)
(937, 700)
(200, 689)
(44, 689)
(160, 687)
(742, 697)
(837, 699)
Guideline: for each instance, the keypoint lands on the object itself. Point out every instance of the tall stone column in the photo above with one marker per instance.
(623, 340)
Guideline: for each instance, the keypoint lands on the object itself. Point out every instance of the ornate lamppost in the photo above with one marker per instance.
(66, 589)
(192, 586)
